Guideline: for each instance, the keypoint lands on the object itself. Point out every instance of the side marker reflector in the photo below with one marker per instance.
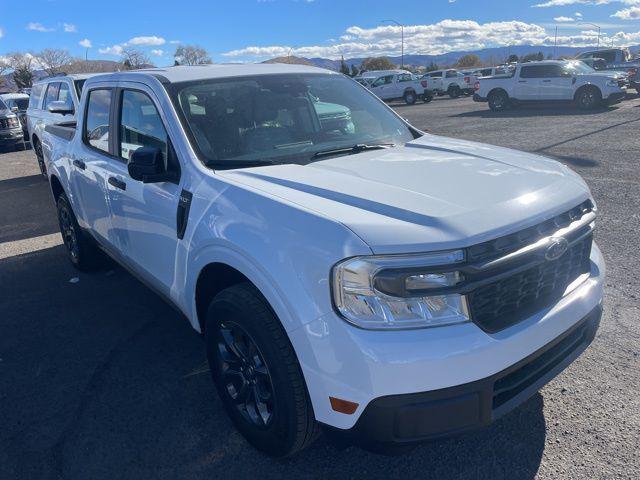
(343, 406)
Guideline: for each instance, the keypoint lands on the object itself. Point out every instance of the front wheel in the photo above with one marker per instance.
(588, 98)
(410, 98)
(37, 148)
(498, 101)
(257, 374)
(83, 253)
(455, 91)
(427, 98)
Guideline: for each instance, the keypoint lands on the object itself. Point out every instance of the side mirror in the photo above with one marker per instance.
(147, 165)
(63, 108)
(15, 109)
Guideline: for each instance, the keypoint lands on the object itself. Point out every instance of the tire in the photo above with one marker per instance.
(83, 253)
(427, 98)
(498, 101)
(410, 97)
(588, 98)
(20, 146)
(37, 148)
(454, 91)
(274, 414)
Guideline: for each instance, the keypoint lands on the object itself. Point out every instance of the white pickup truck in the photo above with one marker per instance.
(400, 85)
(551, 81)
(353, 272)
(450, 82)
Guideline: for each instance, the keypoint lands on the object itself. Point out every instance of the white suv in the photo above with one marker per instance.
(346, 269)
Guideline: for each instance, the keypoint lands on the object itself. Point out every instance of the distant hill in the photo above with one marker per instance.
(291, 60)
(487, 55)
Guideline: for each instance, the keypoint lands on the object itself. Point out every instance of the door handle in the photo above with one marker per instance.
(546, 81)
(79, 164)
(114, 182)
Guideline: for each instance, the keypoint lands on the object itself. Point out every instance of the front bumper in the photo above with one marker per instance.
(11, 136)
(364, 366)
(616, 98)
(450, 411)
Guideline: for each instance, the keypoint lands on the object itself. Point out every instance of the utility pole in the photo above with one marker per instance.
(555, 46)
(593, 25)
(402, 33)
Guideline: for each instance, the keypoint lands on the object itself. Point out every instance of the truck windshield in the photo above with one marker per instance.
(247, 121)
(577, 68)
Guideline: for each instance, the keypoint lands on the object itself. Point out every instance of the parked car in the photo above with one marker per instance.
(614, 59)
(550, 80)
(391, 285)
(18, 103)
(488, 71)
(401, 86)
(49, 98)
(450, 82)
(10, 128)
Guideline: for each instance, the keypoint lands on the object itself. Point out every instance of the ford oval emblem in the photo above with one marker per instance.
(557, 247)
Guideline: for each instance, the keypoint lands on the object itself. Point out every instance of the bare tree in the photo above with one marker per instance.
(133, 59)
(52, 60)
(191, 55)
(23, 68)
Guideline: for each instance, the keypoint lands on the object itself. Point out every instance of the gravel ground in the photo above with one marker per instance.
(101, 379)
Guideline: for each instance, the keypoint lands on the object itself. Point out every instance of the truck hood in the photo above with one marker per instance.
(430, 194)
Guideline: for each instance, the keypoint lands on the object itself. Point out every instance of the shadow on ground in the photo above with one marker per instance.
(101, 379)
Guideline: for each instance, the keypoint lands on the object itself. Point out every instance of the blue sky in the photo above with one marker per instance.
(249, 30)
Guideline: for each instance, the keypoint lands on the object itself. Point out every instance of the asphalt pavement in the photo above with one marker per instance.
(99, 379)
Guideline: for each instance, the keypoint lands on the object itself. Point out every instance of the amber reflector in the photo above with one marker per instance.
(343, 406)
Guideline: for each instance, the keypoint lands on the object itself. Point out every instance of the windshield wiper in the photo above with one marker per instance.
(357, 148)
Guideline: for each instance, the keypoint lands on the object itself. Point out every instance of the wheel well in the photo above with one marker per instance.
(34, 139)
(409, 90)
(214, 278)
(56, 187)
(587, 87)
(496, 90)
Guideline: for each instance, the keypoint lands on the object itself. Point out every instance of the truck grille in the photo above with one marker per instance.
(4, 123)
(502, 293)
(508, 301)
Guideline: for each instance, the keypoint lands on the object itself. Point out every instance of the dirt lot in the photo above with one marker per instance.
(99, 379)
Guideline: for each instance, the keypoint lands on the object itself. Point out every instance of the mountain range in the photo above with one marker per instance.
(494, 55)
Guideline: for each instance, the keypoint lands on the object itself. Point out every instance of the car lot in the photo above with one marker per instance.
(101, 379)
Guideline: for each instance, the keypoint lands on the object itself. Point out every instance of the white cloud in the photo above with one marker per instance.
(174, 42)
(147, 41)
(578, 15)
(114, 50)
(86, 43)
(158, 52)
(632, 13)
(38, 27)
(69, 27)
(433, 39)
(562, 3)
(564, 19)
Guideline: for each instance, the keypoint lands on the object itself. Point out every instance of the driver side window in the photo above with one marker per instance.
(96, 122)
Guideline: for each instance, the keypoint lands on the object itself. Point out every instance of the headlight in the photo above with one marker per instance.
(612, 83)
(400, 292)
(13, 122)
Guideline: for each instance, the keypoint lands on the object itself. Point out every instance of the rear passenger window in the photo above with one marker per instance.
(64, 94)
(405, 77)
(530, 72)
(140, 124)
(36, 96)
(51, 95)
(96, 123)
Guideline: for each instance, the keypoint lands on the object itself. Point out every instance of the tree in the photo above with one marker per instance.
(133, 59)
(191, 55)
(533, 57)
(23, 68)
(377, 63)
(432, 67)
(513, 58)
(53, 59)
(354, 70)
(343, 67)
(468, 61)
